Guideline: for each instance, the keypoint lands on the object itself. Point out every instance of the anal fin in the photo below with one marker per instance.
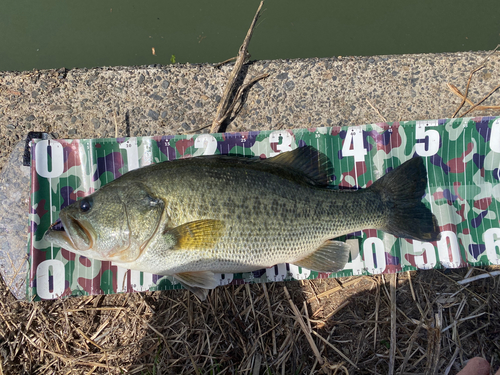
(198, 282)
(331, 256)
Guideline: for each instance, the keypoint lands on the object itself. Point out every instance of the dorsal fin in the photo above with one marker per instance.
(305, 161)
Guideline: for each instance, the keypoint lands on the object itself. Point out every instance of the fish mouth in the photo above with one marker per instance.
(69, 233)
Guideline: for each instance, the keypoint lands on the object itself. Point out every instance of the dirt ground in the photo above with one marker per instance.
(338, 326)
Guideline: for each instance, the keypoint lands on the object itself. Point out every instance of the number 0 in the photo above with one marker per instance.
(42, 151)
(43, 279)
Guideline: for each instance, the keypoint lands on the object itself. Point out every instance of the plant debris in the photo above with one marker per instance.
(257, 329)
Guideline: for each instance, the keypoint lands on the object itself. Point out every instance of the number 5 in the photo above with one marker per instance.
(431, 135)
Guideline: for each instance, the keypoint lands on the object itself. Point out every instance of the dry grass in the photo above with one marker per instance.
(437, 323)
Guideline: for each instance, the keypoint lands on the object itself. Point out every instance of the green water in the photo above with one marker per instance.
(55, 33)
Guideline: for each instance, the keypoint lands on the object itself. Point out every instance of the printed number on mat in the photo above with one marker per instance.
(429, 139)
(49, 159)
(354, 138)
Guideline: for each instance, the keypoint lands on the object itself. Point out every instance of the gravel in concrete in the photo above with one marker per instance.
(172, 99)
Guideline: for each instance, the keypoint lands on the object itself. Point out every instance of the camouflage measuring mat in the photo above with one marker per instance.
(462, 157)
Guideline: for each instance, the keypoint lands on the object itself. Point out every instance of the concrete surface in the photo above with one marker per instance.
(172, 99)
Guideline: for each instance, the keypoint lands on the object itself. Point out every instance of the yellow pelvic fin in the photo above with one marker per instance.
(196, 235)
(331, 256)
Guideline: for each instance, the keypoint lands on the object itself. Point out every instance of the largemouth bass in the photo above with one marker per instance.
(192, 218)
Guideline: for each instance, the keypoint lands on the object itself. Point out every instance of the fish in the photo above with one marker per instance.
(193, 218)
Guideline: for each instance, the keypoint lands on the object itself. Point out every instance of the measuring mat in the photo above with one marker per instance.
(462, 157)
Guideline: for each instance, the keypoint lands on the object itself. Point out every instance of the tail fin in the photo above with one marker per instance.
(401, 190)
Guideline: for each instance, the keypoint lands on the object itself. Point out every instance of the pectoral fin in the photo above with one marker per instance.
(198, 282)
(196, 235)
(331, 256)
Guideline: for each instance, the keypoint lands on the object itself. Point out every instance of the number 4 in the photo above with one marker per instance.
(354, 136)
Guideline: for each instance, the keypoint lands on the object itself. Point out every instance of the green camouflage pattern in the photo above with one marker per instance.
(462, 157)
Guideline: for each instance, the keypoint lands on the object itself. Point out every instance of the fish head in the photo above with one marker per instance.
(115, 223)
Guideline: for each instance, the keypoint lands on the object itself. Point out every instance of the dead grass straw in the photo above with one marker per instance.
(260, 329)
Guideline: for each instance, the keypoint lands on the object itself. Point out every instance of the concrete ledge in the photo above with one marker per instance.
(87, 103)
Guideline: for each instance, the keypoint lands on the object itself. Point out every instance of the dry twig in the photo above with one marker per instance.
(303, 326)
(392, 353)
(479, 67)
(479, 102)
(376, 110)
(224, 104)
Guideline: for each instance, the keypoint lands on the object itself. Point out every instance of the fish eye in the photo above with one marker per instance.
(85, 204)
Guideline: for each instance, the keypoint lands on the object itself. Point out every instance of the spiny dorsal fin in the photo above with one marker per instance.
(331, 256)
(306, 161)
(196, 235)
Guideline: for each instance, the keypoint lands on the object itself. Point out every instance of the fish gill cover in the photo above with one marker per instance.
(462, 158)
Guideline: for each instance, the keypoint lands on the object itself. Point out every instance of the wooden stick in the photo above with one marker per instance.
(462, 320)
(224, 104)
(376, 110)
(273, 332)
(458, 93)
(478, 277)
(453, 358)
(336, 289)
(392, 353)
(337, 309)
(481, 66)
(467, 89)
(225, 62)
(413, 337)
(300, 320)
(238, 95)
(334, 348)
(377, 305)
(482, 100)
